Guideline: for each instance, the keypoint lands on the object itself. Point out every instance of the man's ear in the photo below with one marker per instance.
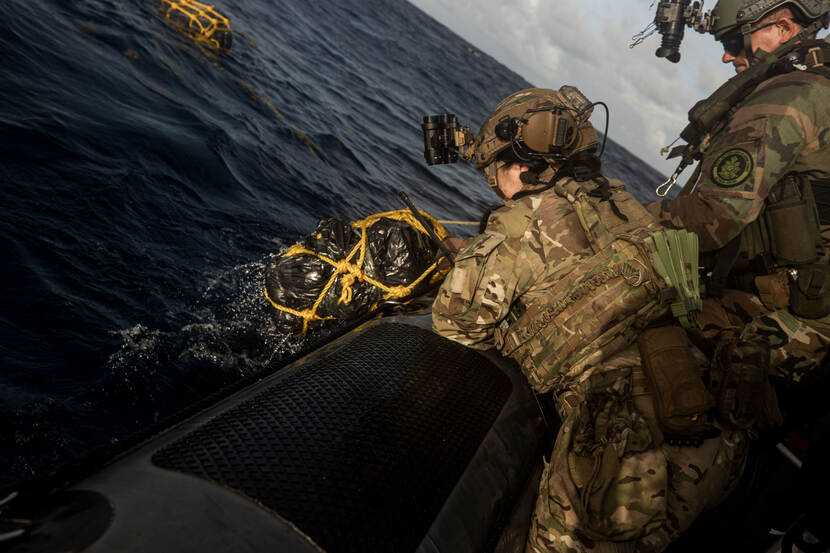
(787, 28)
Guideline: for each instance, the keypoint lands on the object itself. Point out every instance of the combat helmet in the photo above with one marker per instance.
(535, 125)
(728, 15)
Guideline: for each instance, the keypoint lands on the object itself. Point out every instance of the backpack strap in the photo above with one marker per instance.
(817, 59)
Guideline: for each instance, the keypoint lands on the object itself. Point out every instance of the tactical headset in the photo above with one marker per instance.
(542, 132)
(534, 125)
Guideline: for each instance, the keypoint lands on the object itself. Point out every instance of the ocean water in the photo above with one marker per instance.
(146, 180)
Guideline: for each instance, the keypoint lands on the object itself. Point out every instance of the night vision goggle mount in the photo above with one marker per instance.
(671, 20)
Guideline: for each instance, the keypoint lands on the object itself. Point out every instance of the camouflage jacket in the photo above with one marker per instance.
(782, 127)
(528, 246)
(526, 243)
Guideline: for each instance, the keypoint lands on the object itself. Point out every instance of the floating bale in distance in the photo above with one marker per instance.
(199, 21)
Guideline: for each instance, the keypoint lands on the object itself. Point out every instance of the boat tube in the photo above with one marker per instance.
(390, 438)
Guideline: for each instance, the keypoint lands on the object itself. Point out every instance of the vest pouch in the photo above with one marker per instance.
(607, 481)
(587, 315)
(680, 397)
(821, 195)
(739, 380)
(810, 292)
(792, 231)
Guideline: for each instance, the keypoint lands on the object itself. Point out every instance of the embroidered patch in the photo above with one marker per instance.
(732, 167)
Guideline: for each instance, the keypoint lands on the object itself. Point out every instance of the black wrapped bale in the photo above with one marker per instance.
(332, 274)
(398, 253)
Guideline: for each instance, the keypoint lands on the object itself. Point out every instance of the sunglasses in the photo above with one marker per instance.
(733, 45)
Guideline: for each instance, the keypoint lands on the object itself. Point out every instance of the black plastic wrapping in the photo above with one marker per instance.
(396, 254)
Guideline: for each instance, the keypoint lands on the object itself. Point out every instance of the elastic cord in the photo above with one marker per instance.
(604, 132)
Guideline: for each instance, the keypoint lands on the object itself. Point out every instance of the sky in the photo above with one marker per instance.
(585, 43)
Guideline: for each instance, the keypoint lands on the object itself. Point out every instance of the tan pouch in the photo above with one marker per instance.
(680, 398)
(774, 289)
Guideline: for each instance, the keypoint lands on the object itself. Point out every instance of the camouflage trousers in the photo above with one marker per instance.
(637, 493)
(796, 344)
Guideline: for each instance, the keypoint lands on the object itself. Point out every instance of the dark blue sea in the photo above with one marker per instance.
(146, 180)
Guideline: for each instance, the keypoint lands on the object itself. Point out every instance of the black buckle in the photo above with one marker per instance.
(762, 264)
(696, 440)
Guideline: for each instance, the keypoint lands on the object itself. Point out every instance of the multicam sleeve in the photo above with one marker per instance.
(758, 147)
(477, 293)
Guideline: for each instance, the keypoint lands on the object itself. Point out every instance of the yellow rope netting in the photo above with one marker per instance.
(353, 271)
(200, 20)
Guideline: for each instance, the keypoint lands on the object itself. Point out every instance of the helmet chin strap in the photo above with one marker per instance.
(492, 174)
(747, 30)
(530, 179)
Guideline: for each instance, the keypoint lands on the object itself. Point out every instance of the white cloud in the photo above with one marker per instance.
(586, 43)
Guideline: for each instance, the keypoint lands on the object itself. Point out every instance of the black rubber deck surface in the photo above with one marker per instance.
(359, 449)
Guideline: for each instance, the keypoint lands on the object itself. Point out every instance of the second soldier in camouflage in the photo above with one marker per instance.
(561, 281)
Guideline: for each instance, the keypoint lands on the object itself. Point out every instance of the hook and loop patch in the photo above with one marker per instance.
(732, 167)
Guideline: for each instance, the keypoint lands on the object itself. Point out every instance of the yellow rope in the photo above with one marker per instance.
(203, 19)
(353, 272)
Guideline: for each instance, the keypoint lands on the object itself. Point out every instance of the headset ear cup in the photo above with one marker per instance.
(550, 132)
(507, 129)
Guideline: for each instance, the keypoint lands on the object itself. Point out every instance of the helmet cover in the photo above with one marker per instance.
(536, 123)
(728, 15)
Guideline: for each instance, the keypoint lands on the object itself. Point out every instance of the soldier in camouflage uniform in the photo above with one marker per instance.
(752, 199)
(612, 483)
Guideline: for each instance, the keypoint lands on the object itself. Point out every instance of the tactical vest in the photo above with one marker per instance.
(599, 307)
(786, 232)
(784, 237)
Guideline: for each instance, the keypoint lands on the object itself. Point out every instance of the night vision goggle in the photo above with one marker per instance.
(671, 20)
(444, 139)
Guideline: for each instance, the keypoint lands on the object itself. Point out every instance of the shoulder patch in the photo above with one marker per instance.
(732, 167)
(481, 245)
